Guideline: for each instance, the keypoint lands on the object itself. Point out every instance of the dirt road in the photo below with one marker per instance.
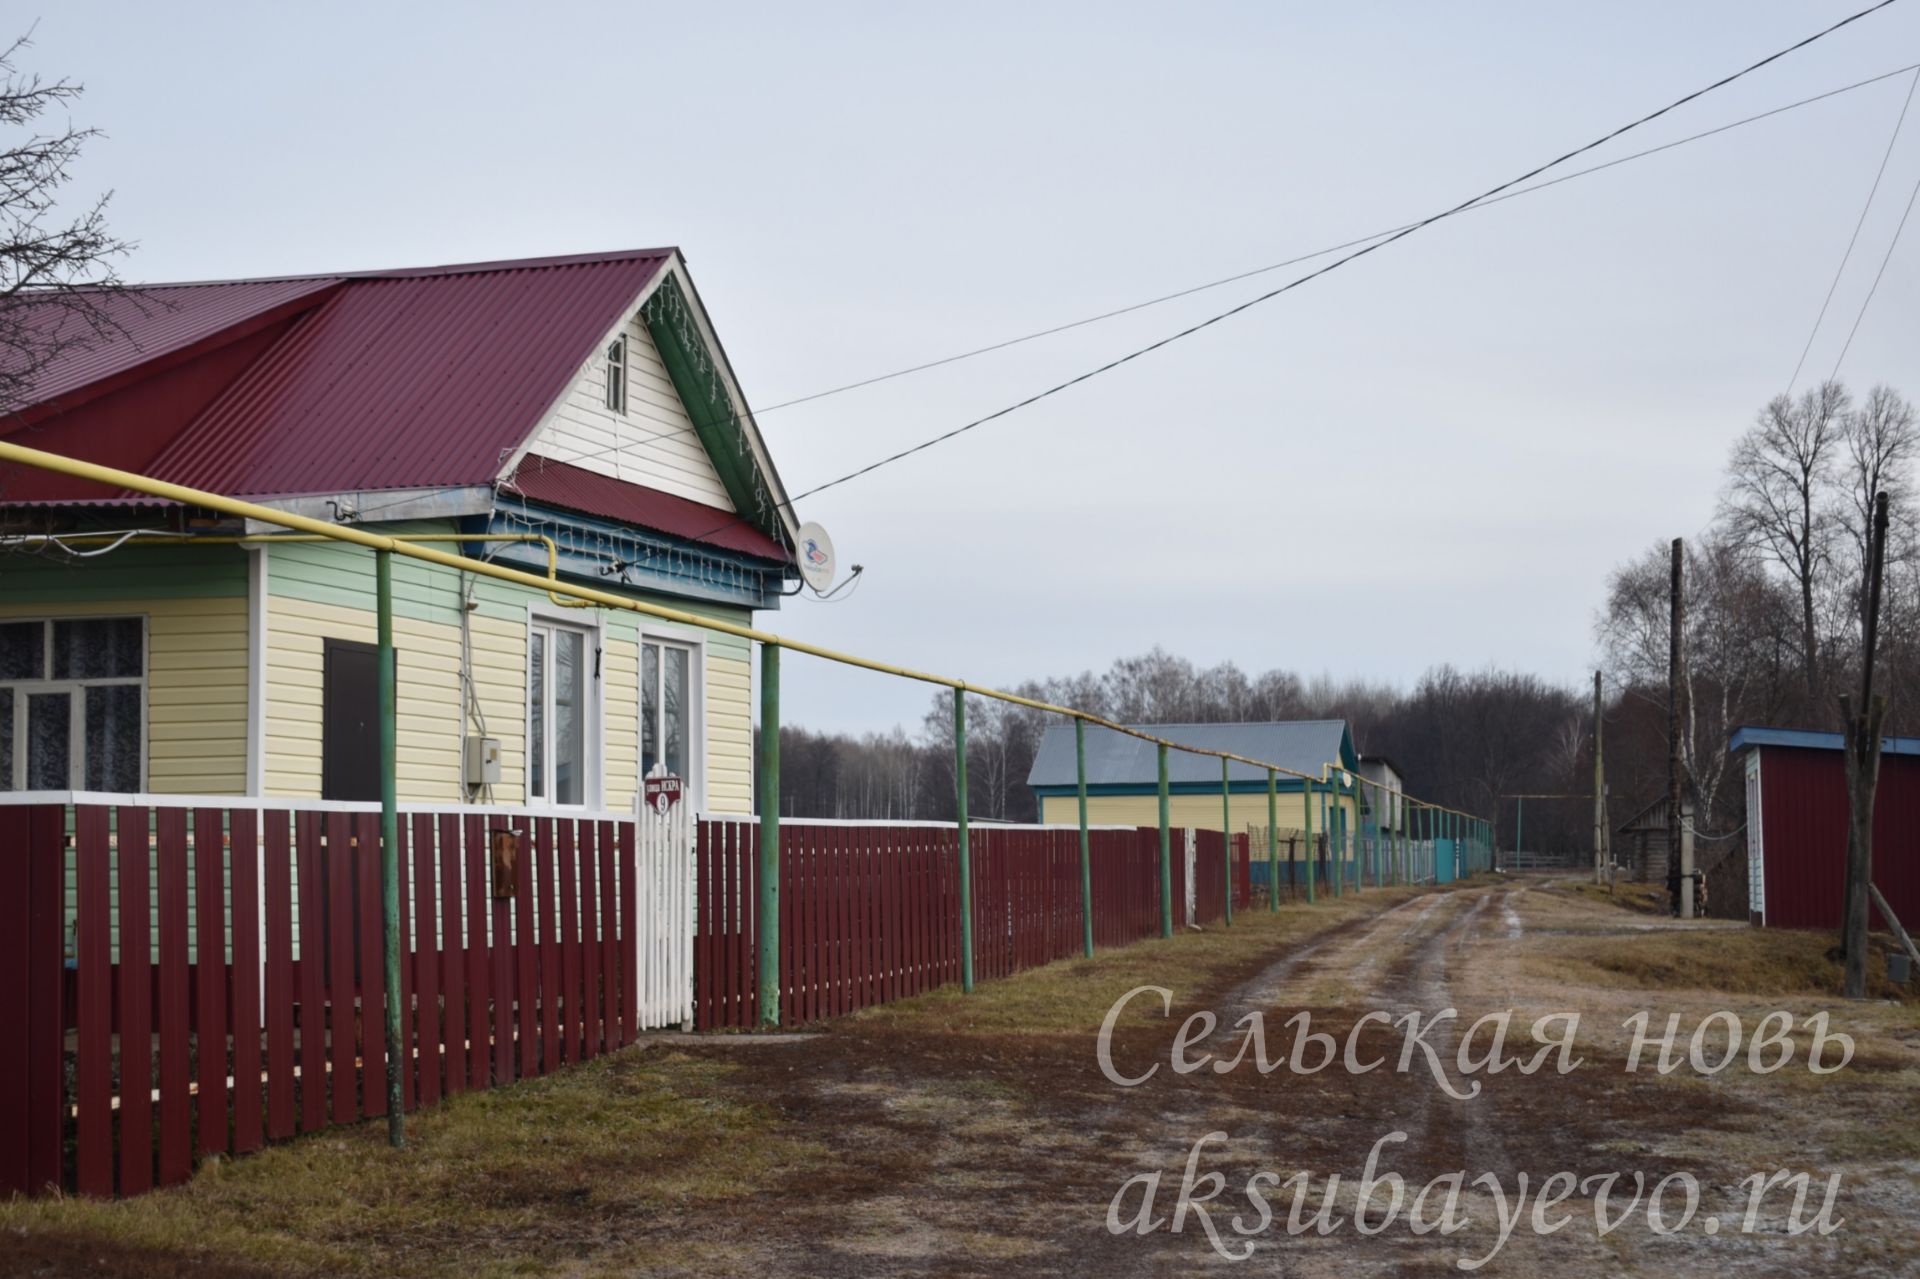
(974, 1154)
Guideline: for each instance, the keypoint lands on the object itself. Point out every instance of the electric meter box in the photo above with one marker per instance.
(483, 761)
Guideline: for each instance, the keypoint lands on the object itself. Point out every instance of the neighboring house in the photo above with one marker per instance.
(582, 399)
(1796, 827)
(1388, 800)
(1123, 774)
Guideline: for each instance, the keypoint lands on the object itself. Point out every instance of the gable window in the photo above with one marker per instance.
(559, 688)
(72, 704)
(617, 375)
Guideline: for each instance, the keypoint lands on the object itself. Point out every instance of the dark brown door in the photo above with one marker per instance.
(350, 722)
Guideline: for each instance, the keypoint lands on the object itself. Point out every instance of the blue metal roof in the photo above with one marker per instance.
(1807, 739)
(1117, 762)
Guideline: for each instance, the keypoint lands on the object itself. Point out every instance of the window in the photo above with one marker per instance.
(559, 684)
(666, 707)
(73, 704)
(617, 375)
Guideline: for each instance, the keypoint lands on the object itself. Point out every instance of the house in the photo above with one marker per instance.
(570, 415)
(1796, 827)
(1388, 792)
(1123, 777)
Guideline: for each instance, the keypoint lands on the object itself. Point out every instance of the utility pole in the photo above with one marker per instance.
(1599, 789)
(1679, 876)
(1863, 768)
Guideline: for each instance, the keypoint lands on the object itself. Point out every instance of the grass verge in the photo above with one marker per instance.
(509, 1181)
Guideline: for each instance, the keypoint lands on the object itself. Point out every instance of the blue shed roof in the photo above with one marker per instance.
(1115, 760)
(1808, 739)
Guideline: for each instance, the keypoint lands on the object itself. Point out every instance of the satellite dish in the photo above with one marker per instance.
(815, 553)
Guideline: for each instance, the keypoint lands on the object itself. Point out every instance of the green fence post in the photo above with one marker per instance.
(1166, 853)
(1519, 823)
(769, 903)
(1086, 850)
(1337, 838)
(966, 852)
(1273, 841)
(1226, 831)
(1306, 806)
(389, 843)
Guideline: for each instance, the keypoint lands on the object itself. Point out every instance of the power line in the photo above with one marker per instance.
(1867, 301)
(1496, 196)
(1335, 265)
(1853, 239)
(1177, 294)
(1084, 321)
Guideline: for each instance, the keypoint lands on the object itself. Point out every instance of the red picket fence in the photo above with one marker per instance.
(1126, 887)
(871, 912)
(1210, 876)
(1026, 896)
(226, 985)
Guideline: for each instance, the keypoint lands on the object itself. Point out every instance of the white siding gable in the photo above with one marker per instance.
(652, 443)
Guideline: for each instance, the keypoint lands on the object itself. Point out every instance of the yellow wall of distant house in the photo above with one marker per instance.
(1202, 812)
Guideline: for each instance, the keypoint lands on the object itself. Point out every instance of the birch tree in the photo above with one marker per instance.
(1776, 500)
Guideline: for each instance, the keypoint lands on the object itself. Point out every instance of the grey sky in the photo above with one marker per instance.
(1433, 455)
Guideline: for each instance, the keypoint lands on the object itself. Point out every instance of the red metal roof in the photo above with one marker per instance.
(422, 378)
(145, 325)
(574, 488)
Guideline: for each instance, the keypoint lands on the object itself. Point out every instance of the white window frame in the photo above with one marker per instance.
(617, 374)
(593, 628)
(695, 642)
(20, 690)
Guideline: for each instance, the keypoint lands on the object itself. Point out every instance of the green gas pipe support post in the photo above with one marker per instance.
(1166, 853)
(389, 844)
(1086, 851)
(1337, 839)
(769, 901)
(1326, 838)
(966, 852)
(1307, 850)
(1273, 841)
(1226, 832)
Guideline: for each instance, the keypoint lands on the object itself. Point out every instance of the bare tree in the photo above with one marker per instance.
(1880, 440)
(56, 269)
(1776, 499)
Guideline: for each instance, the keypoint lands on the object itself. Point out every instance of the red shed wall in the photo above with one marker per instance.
(1804, 835)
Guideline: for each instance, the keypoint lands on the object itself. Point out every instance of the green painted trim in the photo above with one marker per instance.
(693, 372)
(130, 573)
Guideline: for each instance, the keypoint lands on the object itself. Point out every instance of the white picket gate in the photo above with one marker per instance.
(663, 916)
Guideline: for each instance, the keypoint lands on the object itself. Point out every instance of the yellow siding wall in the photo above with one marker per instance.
(196, 687)
(428, 724)
(320, 602)
(1202, 812)
(729, 733)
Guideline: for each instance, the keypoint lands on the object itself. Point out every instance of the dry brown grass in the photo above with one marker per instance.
(1074, 995)
(1736, 961)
